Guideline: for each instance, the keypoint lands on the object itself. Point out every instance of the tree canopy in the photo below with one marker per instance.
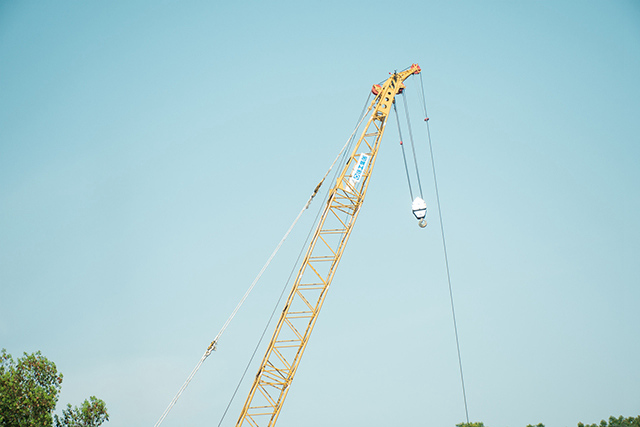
(91, 413)
(29, 389)
(616, 422)
(613, 422)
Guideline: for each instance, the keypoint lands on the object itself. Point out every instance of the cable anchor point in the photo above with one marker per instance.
(212, 347)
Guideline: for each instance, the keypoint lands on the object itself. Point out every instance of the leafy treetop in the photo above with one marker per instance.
(29, 389)
(616, 422)
(613, 422)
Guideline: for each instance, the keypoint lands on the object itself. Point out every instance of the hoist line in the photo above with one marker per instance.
(446, 258)
(282, 293)
(214, 343)
(424, 101)
(404, 156)
(413, 149)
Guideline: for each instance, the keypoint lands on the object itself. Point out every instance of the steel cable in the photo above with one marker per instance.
(343, 155)
(413, 149)
(404, 156)
(446, 258)
(214, 343)
(277, 304)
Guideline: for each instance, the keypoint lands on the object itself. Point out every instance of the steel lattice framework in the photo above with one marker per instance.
(290, 338)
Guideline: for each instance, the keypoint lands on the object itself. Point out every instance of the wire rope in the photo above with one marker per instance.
(343, 156)
(277, 304)
(264, 331)
(404, 156)
(214, 343)
(446, 258)
(413, 149)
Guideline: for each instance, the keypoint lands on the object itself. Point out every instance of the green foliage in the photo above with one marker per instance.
(616, 422)
(92, 413)
(613, 422)
(29, 389)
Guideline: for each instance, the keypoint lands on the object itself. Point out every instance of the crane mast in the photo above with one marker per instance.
(290, 338)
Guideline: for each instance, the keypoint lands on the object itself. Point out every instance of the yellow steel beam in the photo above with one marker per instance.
(290, 338)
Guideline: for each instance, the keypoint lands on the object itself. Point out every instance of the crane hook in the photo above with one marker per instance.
(419, 208)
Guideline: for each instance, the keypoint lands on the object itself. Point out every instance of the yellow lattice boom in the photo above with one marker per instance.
(290, 338)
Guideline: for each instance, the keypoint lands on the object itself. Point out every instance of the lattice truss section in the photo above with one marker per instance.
(299, 315)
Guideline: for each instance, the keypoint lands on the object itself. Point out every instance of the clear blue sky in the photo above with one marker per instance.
(152, 154)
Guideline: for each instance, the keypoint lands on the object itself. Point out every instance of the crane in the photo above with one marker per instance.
(282, 358)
